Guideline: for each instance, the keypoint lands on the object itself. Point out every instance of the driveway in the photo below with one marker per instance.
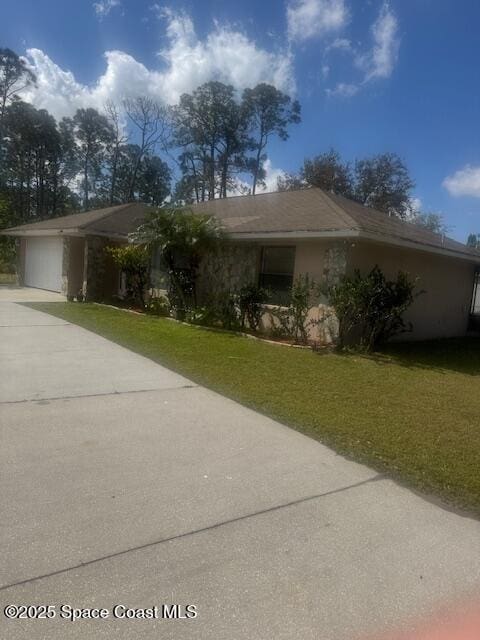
(124, 483)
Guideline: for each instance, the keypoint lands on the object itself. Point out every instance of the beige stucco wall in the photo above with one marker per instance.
(443, 310)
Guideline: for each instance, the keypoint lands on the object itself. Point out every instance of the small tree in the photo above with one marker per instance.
(370, 308)
(182, 239)
(473, 241)
(135, 262)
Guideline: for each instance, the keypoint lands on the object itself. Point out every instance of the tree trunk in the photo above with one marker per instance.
(211, 187)
(85, 185)
(256, 169)
(114, 176)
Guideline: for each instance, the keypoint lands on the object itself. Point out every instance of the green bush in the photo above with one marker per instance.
(135, 262)
(158, 306)
(370, 308)
(220, 310)
(251, 299)
(8, 254)
(293, 320)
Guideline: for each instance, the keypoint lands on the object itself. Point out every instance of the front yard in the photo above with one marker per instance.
(413, 412)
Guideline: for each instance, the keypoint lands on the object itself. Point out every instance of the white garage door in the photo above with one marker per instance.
(43, 263)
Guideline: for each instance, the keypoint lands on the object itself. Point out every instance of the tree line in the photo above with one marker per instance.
(214, 138)
(215, 141)
(381, 182)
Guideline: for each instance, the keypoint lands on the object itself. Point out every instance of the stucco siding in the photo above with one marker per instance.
(443, 310)
(310, 258)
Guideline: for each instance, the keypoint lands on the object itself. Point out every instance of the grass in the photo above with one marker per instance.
(413, 411)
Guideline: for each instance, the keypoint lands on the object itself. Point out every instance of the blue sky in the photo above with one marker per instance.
(371, 76)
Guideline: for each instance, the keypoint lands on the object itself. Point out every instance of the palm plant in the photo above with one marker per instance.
(181, 238)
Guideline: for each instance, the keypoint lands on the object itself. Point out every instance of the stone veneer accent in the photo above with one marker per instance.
(335, 266)
(228, 269)
(94, 267)
(65, 265)
(335, 263)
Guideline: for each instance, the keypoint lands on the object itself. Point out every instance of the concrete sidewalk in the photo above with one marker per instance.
(124, 483)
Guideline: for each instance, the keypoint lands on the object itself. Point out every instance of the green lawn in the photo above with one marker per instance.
(413, 412)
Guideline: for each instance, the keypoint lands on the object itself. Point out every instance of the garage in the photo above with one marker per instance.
(43, 263)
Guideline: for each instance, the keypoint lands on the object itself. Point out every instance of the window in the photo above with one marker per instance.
(276, 272)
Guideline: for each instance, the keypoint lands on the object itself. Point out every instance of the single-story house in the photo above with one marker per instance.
(274, 238)
(67, 254)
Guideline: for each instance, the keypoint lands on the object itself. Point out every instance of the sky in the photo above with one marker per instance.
(371, 76)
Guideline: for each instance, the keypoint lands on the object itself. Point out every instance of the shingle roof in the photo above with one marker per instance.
(287, 212)
(313, 210)
(117, 221)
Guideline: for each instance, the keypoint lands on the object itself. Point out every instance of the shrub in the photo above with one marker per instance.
(370, 308)
(7, 255)
(220, 310)
(292, 320)
(251, 299)
(158, 306)
(227, 309)
(134, 261)
(181, 292)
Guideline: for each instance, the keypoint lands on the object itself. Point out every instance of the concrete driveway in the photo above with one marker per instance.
(123, 483)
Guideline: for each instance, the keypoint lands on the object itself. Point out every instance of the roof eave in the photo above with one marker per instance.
(19, 233)
(419, 246)
(293, 235)
(353, 233)
(65, 233)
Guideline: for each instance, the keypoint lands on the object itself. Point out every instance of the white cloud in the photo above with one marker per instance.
(314, 18)
(272, 174)
(226, 55)
(343, 90)
(380, 61)
(464, 182)
(271, 177)
(416, 204)
(103, 7)
(340, 44)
